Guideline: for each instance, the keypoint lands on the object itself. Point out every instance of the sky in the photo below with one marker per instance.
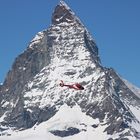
(114, 25)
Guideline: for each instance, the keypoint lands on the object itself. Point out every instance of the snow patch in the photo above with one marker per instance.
(136, 111)
(2, 117)
(36, 39)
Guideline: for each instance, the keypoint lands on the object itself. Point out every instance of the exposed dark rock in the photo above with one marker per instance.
(64, 133)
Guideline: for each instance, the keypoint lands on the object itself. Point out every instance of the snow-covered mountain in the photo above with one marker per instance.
(33, 101)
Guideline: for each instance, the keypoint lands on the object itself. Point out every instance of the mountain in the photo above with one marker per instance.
(33, 101)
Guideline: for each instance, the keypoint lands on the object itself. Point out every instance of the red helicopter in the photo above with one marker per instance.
(74, 86)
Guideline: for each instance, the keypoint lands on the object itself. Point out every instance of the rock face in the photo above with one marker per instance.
(66, 51)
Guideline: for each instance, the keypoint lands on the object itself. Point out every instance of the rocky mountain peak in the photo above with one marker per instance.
(62, 13)
(69, 30)
(31, 93)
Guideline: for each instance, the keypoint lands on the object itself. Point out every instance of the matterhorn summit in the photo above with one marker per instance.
(41, 95)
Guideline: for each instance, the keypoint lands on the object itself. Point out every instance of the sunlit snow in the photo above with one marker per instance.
(64, 118)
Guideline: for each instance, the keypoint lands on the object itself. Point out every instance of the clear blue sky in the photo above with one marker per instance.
(114, 24)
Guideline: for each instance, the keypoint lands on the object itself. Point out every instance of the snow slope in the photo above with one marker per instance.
(134, 89)
(66, 117)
